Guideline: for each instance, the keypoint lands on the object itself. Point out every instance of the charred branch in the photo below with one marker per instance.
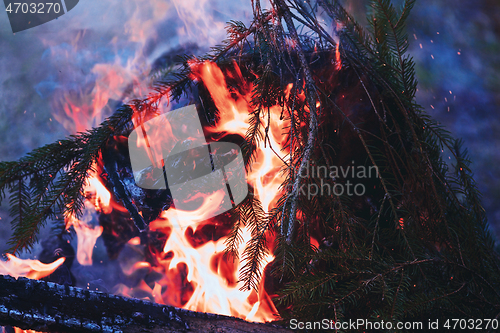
(46, 306)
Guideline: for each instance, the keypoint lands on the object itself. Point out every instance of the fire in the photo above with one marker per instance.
(264, 175)
(199, 277)
(338, 61)
(18, 330)
(233, 112)
(86, 234)
(99, 194)
(29, 268)
(192, 276)
(98, 200)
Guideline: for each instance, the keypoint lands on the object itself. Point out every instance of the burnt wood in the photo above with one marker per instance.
(47, 306)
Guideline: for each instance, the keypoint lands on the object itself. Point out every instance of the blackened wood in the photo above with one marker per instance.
(110, 166)
(46, 306)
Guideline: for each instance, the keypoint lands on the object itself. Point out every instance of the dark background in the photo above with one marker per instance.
(456, 49)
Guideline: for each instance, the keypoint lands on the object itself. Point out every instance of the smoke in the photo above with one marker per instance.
(67, 75)
(97, 45)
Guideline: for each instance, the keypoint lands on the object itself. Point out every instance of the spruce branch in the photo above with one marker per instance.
(313, 124)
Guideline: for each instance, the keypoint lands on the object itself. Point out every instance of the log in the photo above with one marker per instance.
(47, 306)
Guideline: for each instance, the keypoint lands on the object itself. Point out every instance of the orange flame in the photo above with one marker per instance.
(338, 61)
(86, 234)
(200, 278)
(98, 200)
(29, 268)
(265, 174)
(196, 278)
(18, 330)
(122, 79)
(99, 194)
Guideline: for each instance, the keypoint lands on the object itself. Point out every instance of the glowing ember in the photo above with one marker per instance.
(192, 276)
(338, 61)
(18, 330)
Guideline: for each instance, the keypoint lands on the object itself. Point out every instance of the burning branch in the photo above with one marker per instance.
(313, 123)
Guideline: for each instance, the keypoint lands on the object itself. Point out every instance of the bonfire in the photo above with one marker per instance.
(286, 177)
